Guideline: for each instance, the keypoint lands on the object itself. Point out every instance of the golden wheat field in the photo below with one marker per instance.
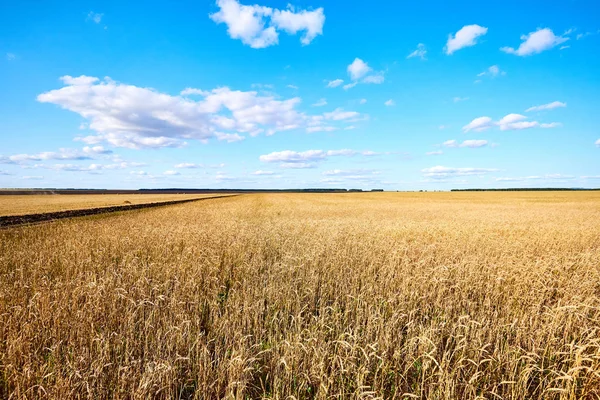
(31, 204)
(302, 296)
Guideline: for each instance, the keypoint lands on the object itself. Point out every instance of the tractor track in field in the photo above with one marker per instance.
(31, 219)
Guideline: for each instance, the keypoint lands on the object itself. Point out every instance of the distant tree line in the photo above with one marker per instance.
(522, 190)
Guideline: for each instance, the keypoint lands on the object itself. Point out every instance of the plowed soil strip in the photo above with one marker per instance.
(14, 220)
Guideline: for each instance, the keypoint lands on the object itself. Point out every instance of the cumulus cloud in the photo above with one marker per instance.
(516, 122)
(358, 69)
(309, 158)
(465, 37)
(171, 173)
(339, 114)
(312, 129)
(507, 123)
(474, 143)
(189, 165)
(467, 143)
(91, 168)
(334, 83)
(229, 137)
(87, 153)
(420, 52)
(536, 42)
(194, 91)
(441, 172)
(292, 87)
(492, 72)
(549, 106)
(389, 103)
(259, 26)
(478, 124)
(261, 172)
(597, 143)
(136, 117)
(376, 79)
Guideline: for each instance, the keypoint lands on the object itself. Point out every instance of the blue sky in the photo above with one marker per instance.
(316, 93)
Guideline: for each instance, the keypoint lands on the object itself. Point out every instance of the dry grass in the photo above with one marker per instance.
(39, 203)
(429, 296)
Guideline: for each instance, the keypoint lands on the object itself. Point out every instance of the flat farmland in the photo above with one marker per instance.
(44, 203)
(368, 295)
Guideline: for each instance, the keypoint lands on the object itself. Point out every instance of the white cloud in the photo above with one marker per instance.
(320, 103)
(63, 154)
(467, 143)
(478, 124)
(339, 114)
(536, 42)
(35, 178)
(440, 172)
(10, 56)
(229, 137)
(334, 83)
(261, 172)
(363, 101)
(192, 91)
(312, 129)
(474, 143)
(4, 172)
(465, 37)
(189, 165)
(376, 79)
(420, 52)
(171, 173)
(293, 22)
(492, 72)
(92, 168)
(94, 17)
(258, 26)
(459, 99)
(292, 87)
(551, 125)
(508, 122)
(390, 103)
(434, 153)
(549, 106)
(350, 85)
(515, 122)
(358, 69)
(96, 150)
(309, 158)
(136, 117)
(597, 143)
(450, 143)
(289, 156)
